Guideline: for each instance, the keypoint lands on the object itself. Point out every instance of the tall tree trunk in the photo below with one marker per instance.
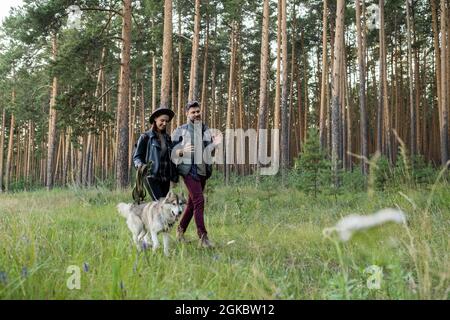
(240, 104)
(292, 121)
(10, 149)
(445, 55)
(412, 112)
(214, 79)
(213, 93)
(301, 112)
(361, 39)
(52, 123)
(324, 85)
(30, 154)
(277, 111)
(79, 171)
(57, 172)
(194, 59)
(342, 122)
(123, 103)
(87, 160)
(284, 94)
(2, 144)
(204, 100)
(142, 104)
(180, 74)
(305, 87)
(383, 83)
(337, 78)
(167, 55)
(437, 54)
(153, 81)
(66, 158)
(131, 125)
(230, 98)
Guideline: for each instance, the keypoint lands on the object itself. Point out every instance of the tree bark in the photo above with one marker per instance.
(2, 144)
(445, 55)
(324, 85)
(412, 112)
(194, 59)
(180, 74)
(123, 100)
(204, 100)
(153, 81)
(337, 78)
(437, 54)
(361, 39)
(52, 123)
(10, 149)
(167, 55)
(284, 94)
(383, 82)
(230, 94)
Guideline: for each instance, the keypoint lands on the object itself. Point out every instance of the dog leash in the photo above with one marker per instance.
(138, 192)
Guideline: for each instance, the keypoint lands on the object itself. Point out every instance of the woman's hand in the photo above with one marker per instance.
(217, 139)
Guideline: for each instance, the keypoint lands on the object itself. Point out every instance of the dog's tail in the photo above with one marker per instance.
(124, 209)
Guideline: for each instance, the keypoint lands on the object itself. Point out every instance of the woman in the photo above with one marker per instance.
(154, 148)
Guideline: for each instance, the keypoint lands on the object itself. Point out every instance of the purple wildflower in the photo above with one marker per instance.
(3, 278)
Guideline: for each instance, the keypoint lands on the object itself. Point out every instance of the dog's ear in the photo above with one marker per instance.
(169, 195)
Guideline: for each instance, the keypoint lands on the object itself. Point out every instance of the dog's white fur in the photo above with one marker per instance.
(153, 217)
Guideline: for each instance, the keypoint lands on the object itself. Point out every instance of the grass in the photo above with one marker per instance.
(269, 246)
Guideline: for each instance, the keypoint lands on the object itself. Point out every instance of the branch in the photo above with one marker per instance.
(100, 98)
(182, 36)
(103, 67)
(102, 9)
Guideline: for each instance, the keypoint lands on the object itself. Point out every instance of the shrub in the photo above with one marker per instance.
(313, 168)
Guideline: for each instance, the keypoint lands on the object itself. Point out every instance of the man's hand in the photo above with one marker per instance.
(188, 148)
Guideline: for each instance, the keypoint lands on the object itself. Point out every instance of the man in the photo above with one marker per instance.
(190, 140)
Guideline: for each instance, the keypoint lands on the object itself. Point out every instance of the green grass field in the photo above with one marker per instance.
(269, 246)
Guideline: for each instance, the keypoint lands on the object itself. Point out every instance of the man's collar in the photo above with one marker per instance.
(190, 123)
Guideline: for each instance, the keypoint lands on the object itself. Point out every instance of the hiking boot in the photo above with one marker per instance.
(180, 236)
(205, 242)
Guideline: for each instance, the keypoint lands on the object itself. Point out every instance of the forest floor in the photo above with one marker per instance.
(269, 245)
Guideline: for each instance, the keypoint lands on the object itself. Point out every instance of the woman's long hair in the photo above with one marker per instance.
(155, 129)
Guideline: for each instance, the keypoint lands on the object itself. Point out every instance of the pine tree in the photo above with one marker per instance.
(313, 167)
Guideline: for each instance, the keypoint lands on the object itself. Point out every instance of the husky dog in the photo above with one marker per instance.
(153, 217)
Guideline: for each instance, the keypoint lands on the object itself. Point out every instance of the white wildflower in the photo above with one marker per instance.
(352, 223)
